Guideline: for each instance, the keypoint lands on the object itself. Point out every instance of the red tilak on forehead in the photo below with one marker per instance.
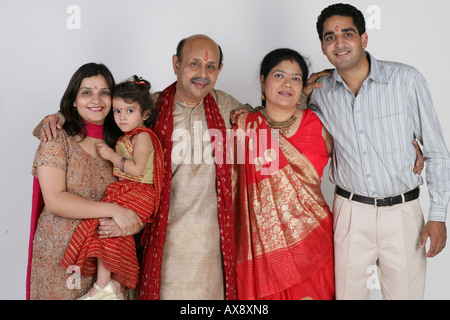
(205, 58)
(95, 87)
(337, 28)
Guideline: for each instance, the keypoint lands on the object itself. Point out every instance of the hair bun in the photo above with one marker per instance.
(140, 82)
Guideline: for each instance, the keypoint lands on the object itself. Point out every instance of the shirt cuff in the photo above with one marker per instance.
(437, 214)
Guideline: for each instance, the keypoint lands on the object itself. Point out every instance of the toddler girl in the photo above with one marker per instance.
(138, 163)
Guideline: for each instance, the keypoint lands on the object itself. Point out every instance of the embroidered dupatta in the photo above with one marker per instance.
(283, 225)
(155, 234)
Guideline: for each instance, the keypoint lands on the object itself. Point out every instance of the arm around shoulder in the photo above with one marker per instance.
(46, 130)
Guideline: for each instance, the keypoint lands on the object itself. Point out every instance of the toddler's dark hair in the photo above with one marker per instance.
(137, 89)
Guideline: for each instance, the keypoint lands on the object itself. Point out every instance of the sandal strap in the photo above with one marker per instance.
(96, 286)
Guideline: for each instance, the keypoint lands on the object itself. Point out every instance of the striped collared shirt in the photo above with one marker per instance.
(373, 134)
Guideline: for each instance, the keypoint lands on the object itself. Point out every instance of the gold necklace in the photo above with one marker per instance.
(283, 126)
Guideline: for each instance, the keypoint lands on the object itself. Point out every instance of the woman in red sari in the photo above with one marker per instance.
(283, 225)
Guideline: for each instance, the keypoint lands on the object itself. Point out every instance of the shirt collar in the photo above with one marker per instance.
(377, 70)
(376, 73)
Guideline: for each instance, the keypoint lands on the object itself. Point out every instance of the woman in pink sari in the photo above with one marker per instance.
(283, 225)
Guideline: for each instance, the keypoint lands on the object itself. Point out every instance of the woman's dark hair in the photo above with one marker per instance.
(341, 9)
(74, 123)
(137, 90)
(275, 57)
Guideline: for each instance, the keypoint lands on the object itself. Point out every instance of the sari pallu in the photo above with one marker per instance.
(283, 224)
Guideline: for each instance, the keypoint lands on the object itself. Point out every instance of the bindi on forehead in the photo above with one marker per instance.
(205, 58)
(337, 29)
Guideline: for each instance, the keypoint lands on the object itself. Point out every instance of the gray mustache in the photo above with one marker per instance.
(207, 81)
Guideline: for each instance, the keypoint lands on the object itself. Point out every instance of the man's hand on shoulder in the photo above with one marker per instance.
(49, 127)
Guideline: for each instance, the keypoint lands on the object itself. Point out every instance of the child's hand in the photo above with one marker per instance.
(105, 151)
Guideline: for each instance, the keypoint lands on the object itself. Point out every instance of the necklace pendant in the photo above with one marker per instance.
(282, 126)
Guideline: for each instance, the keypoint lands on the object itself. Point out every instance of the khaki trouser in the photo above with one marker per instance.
(389, 237)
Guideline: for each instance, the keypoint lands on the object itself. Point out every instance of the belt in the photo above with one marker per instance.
(380, 202)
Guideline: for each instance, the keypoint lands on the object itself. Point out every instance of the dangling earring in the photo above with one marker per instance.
(263, 97)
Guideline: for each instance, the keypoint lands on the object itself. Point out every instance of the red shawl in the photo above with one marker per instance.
(37, 206)
(155, 235)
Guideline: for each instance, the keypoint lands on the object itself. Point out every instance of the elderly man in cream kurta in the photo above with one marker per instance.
(192, 264)
(192, 259)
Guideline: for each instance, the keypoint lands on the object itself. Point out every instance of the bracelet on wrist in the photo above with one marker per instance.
(122, 162)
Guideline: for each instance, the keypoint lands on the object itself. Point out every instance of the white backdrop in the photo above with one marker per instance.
(44, 42)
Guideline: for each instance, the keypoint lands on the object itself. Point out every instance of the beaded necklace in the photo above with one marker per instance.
(283, 126)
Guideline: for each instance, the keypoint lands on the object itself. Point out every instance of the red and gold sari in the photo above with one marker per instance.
(283, 226)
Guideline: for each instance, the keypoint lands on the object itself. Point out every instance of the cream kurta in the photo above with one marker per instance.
(192, 261)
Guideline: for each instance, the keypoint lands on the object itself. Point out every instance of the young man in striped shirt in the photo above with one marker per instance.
(374, 110)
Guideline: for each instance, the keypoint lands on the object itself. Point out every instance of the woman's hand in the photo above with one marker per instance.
(127, 221)
(108, 228)
(418, 165)
(311, 83)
